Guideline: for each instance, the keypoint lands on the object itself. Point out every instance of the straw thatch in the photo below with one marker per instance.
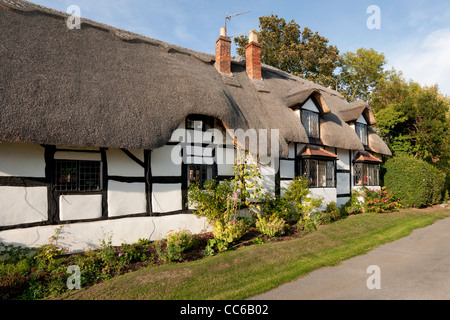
(105, 87)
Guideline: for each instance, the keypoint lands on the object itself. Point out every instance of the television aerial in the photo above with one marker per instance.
(229, 16)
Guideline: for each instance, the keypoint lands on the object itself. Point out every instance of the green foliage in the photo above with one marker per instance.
(361, 73)
(271, 225)
(415, 182)
(301, 52)
(216, 201)
(297, 201)
(179, 242)
(413, 119)
(14, 277)
(331, 212)
(220, 202)
(354, 205)
(46, 254)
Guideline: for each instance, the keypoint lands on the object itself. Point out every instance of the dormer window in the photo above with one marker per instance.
(309, 114)
(310, 121)
(361, 130)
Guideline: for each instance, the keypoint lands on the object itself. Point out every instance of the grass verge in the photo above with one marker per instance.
(255, 269)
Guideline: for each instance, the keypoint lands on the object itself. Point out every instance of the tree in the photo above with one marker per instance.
(303, 53)
(413, 119)
(361, 73)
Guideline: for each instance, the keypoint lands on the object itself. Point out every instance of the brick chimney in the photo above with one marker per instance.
(253, 56)
(223, 52)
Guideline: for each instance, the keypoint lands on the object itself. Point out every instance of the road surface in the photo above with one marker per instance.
(414, 267)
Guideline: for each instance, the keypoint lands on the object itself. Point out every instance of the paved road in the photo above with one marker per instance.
(414, 267)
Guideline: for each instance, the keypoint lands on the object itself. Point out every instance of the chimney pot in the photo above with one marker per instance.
(253, 36)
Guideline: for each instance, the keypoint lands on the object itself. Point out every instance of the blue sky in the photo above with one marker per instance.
(414, 34)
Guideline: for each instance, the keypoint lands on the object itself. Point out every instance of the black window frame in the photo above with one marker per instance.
(303, 117)
(305, 168)
(365, 138)
(361, 175)
(203, 173)
(80, 169)
(206, 122)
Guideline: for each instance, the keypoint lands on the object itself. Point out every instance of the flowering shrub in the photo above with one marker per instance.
(379, 201)
(177, 243)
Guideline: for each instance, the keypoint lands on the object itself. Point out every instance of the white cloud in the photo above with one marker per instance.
(426, 60)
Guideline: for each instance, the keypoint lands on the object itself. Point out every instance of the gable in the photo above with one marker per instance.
(361, 119)
(310, 105)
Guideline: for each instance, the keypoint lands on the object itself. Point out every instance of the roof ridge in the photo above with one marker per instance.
(121, 34)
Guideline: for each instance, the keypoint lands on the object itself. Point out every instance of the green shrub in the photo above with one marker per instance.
(354, 205)
(177, 243)
(271, 225)
(331, 213)
(415, 182)
(297, 202)
(14, 278)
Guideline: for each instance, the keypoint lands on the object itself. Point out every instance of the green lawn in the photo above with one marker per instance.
(254, 269)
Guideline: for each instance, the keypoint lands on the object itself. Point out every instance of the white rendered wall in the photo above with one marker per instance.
(166, 161)
(126, 198)
(225, 161)
(166, 197)
(22, 205)
(88, 235)
(287, 168)
(268, 169)
(78, 207)
(344, 160)
(343, 183)
(21, 160)
(342, 201)
(328, 194)
(120, 164)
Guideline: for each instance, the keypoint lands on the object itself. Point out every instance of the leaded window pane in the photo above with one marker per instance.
(310, 121)
(359, 168)
(330, 174)
(361, 131)
(322, 174)
(367, 174)
(200, 173)
(78, 175)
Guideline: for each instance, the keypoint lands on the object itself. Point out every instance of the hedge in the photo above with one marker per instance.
(415, 182)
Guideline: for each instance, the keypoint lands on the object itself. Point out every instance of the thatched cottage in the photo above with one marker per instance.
(92, 119)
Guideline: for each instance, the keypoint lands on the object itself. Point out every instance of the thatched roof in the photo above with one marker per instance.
(355, 110)
(106, 87)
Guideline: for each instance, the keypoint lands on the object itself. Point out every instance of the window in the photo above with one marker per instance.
(361, 131)
(310, 121)
(320, 173)
(367, 174)
(78, 175)
(199, 122)
(200, 173)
